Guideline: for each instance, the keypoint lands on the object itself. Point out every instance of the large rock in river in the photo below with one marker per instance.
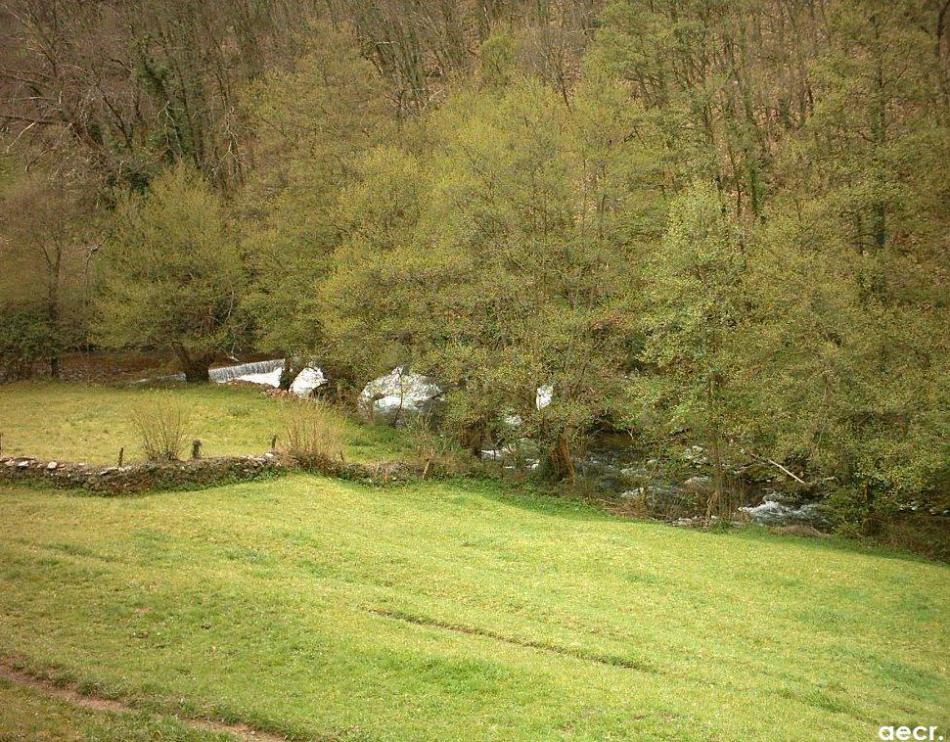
(400, 393)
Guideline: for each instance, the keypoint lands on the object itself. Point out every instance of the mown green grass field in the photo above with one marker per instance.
(75, 422)
(319, 609)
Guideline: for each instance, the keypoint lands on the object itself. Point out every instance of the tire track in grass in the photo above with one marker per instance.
(816, 699)
(70, 694)
(611, 660)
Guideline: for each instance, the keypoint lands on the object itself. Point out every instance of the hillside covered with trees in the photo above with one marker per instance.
(724, 223)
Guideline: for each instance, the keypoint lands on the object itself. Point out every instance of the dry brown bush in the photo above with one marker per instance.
(161, 423)
(312, 432)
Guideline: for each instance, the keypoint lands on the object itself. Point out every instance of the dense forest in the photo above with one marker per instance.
(720, 221)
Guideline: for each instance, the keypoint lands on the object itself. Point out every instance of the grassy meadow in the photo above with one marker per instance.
(318, 609)
(74, 422)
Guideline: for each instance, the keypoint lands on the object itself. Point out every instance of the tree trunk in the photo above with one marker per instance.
(197, 373)
(471, 437)
(715, 444)
(289, 373)
(716, 498)
(562, 463)
(54, 267)
(195, 367)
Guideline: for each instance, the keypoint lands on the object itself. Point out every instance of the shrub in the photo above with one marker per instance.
(26, 339)
(436, 453)
(313, 433)
(161, 424)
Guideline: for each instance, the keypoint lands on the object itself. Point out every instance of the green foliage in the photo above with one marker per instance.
(312, 123)
(174, 276)
(695, 311)
(25, 341)
(47, 241)
(496, 61)
(828, 349)
(498, 267)
(852, 384)
(847, 357)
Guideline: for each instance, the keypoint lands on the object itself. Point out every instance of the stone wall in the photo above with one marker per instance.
(144, 477)
(386, 472)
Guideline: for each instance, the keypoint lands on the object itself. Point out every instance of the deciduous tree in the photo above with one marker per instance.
(174, 276)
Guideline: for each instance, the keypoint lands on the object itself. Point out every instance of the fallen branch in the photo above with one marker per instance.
(777, 465)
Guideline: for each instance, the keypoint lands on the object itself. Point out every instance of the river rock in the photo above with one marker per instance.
(695, 455)
(307, 381)
(698, 483)
(774, 513)
(543, 396)
(400, 393)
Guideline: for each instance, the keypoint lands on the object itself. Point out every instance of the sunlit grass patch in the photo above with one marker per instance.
(91, 423)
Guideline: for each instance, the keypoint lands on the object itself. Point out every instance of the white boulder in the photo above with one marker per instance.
(307, 380)
(399, 393)
(543, 396)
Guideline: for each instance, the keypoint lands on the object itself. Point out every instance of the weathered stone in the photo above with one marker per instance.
(543, 396)
(399, 393)
(773, 513)
(134, 478)
(307, 381)
(698, 484)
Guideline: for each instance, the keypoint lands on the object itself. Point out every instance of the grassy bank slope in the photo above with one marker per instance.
(451, 611)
